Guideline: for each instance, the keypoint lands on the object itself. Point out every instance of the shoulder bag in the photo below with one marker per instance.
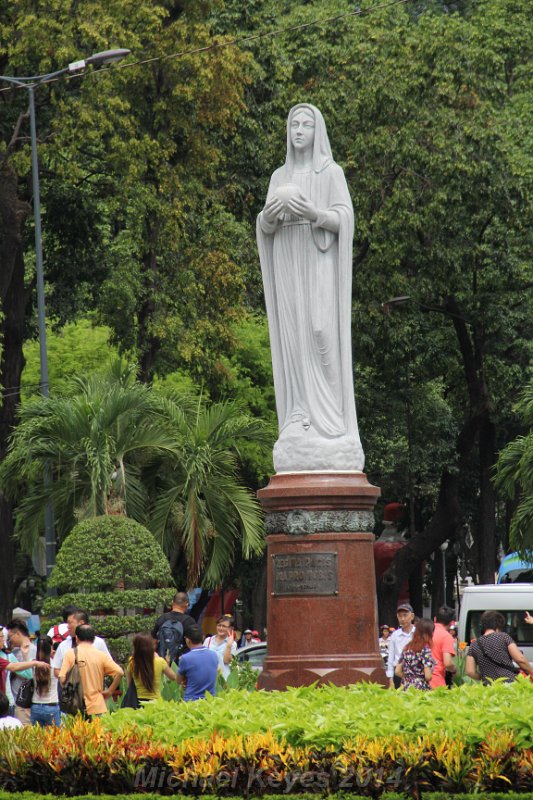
(130, 699)
(497, 663)
(25, 694)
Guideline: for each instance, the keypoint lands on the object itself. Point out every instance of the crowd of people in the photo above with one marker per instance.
(420, 653)
(176, 638)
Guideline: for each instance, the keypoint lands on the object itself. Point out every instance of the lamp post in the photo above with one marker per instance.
(443, 547)
(31, 83)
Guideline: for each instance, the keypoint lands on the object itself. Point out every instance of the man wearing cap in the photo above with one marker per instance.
(248, 638)
(398, 640)
(443, 647)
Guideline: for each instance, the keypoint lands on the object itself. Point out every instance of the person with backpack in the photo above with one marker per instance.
(171, 628)
(58, 633)
(93, 666)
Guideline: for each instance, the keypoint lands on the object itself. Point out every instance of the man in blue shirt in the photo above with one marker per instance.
(197, 669)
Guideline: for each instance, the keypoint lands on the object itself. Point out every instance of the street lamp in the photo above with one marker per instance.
(31, 83)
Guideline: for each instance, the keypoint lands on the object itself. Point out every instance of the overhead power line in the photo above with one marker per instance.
(357, 12)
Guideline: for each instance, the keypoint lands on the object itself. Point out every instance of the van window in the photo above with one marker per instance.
(516, 627)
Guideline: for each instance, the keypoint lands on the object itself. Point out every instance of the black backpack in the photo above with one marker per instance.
(169, 639)
(72, 700)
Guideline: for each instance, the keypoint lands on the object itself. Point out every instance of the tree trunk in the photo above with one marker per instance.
(486, 526)
(13, 297)
(147, 343)
(444, 525)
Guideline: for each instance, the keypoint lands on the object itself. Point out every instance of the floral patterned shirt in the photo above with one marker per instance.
(413, 668)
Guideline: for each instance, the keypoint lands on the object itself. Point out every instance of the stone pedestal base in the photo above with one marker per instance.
(322, 611)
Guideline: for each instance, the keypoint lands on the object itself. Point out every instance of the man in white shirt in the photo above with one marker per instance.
(223, 644)
(73, 620)
(399, 639)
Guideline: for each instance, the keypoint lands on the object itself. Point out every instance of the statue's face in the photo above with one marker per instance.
(302, 130)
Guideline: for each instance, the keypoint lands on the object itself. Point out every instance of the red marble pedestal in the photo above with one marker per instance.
(322, 610)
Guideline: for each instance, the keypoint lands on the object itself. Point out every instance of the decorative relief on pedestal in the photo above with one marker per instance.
(300, 521)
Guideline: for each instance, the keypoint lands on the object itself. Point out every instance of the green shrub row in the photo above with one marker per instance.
(328, 715)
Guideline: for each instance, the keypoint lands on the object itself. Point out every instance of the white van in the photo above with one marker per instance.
(510, 599)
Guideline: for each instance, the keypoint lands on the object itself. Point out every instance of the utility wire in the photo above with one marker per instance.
(358, 12)
(13, 388)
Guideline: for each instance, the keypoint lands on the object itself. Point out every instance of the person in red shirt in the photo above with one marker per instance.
(443, 647)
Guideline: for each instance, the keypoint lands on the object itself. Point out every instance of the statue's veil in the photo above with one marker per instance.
(322, 155)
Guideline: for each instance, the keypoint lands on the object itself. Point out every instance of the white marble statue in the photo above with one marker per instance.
(304, 237)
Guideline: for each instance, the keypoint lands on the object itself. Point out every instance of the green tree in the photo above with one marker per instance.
(131, 206)
(77, 348)
(430, 115)
(112, 568)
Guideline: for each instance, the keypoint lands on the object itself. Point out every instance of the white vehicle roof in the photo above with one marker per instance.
(500, 588)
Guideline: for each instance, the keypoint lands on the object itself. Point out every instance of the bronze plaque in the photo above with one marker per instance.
(304, 573)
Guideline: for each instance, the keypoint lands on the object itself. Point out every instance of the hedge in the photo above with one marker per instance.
(85, 756)
(327, 715)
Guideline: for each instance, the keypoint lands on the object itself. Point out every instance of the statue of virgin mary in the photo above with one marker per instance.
(304, 237)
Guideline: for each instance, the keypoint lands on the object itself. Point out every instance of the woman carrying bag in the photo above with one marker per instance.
(144, 672)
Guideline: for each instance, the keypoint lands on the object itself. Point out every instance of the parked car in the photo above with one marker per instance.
(254, 654)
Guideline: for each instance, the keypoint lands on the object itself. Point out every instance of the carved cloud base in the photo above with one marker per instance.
(303, 449)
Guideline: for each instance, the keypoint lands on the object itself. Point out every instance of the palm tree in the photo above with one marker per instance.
(114, 445)
(91, 441)
(201, 501)
(514, 478)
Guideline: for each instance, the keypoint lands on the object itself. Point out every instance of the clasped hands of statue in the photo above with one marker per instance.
(295, 203)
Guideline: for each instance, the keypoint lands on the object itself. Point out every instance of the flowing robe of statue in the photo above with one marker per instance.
(307, 276)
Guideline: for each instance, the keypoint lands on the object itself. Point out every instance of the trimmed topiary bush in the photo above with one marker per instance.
(114, 569)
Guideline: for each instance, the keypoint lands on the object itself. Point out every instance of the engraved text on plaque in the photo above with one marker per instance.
(304, 573)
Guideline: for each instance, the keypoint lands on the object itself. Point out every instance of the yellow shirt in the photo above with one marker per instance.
(142, 692)
(93, 666)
